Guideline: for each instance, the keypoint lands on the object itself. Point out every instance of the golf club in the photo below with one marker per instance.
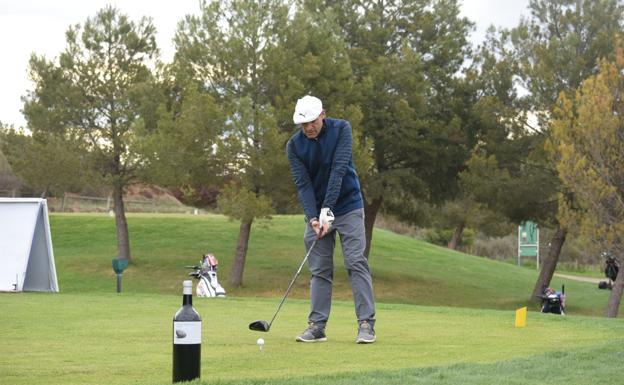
(263, 326)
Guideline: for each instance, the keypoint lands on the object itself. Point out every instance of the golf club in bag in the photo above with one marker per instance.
(263, 326)
(206, 274)
(554, 301)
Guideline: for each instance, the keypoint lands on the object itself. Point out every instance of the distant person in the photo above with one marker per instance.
(321, 161)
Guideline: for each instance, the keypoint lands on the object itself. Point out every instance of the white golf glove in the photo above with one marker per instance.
(326, 217)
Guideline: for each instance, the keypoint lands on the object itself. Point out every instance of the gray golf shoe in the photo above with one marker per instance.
(366, 333)
(314, 333)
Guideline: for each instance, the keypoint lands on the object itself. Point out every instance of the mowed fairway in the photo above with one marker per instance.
(126, 339)
(442, 317)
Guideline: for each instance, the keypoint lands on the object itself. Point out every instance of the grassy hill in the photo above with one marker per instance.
(404, 270)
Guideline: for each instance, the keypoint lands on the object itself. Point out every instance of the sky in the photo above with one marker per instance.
(39, 26)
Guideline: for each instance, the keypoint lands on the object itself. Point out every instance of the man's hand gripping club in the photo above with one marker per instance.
(322, 225)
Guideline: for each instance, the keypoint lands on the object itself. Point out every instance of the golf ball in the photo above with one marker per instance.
(260, 341)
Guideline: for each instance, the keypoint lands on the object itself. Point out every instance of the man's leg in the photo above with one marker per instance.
(350, 227)
(321, 264)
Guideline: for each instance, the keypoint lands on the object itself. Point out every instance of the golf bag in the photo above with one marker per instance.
(612, 267)
(553, 301)
(206, 274)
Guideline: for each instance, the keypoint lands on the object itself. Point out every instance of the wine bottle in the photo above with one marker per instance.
(186, 338)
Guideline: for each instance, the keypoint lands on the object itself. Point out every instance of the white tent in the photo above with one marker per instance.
(26, 256)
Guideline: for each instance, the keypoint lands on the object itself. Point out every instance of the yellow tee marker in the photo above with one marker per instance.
(521, 315)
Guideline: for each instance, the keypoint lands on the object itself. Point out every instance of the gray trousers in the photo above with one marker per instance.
(350, 227)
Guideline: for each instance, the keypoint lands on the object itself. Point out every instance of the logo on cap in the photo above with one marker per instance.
(307, 109)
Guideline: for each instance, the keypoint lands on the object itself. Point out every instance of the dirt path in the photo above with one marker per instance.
(579, 278)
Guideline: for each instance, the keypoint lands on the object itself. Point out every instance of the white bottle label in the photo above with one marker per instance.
(186, 333)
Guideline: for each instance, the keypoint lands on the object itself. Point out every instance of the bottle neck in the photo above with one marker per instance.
(187, 299)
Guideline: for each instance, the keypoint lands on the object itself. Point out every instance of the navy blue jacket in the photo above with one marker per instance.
(323, 169)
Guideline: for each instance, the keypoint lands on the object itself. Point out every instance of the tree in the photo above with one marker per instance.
(588, 144)
(49, 163)
(178, 151)
(94, 92)
(559, 45)
(503, 173)
(255, 148)
(484, 102)
(556, 48)
(225, 49)
(8, 181)
(405, 56)
(4, 163)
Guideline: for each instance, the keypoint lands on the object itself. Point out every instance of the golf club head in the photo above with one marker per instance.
(259, 326)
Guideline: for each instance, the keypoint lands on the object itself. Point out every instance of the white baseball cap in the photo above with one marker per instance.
(307, 109)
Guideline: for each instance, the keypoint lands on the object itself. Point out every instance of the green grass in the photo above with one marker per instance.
(580, 367)
(404, 270)
(93, 338)
(442, 317)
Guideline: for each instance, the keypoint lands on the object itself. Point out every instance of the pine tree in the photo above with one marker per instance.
(94, 93)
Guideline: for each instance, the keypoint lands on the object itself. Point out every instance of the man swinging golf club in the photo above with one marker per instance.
(321, 161)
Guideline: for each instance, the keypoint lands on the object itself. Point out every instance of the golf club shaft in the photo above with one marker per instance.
(292, 282)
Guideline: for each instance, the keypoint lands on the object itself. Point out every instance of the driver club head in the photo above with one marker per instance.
(259, 326)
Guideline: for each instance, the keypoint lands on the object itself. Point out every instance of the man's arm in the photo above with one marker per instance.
(342, 156)
(303, 183)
